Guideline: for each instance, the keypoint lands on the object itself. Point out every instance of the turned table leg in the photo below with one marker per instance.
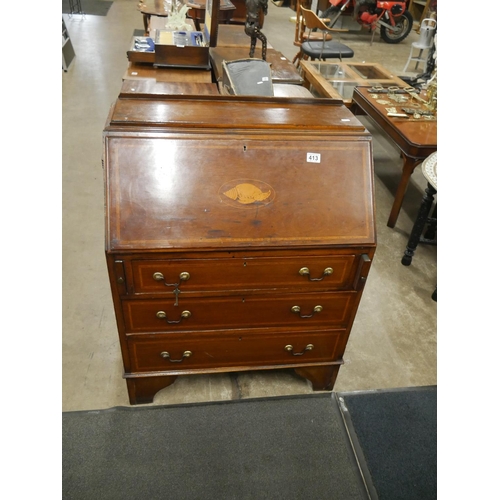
(408, 168)
(418, 227)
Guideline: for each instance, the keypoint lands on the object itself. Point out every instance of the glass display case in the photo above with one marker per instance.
(338, 80)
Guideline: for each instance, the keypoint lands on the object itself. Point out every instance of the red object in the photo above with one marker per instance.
(368, 18)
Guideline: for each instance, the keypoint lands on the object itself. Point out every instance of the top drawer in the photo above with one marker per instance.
(202, 275)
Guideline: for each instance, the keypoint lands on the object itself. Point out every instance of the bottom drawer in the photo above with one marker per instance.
(188, 352)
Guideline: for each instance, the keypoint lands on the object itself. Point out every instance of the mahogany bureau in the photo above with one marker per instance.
(239, 234)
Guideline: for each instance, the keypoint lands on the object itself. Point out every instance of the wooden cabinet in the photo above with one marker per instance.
(239, 234)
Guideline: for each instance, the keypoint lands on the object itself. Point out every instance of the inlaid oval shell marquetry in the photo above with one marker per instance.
(246, 192)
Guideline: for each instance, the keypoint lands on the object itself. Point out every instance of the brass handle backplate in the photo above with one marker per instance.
(308, 347)
(166, 355)
(163, 315)
(317, 309)
(304, 271)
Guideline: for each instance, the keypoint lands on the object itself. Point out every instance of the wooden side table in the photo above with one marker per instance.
(197, 10)
(150, 8)
(416, 139)
(429, 169)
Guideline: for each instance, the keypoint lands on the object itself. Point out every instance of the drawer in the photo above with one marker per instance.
(328, 309)
(310, 273)
(175, 352)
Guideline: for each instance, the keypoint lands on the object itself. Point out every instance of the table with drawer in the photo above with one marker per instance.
(239, 234)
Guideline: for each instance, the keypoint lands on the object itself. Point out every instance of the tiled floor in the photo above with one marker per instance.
(393, 341)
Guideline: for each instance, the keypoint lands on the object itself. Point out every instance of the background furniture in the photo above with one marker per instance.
(149, 88)
(324, 49)
(417, 139)
(429, 169)
(425, 42)
(233, 35)
(197, 10)
(75, 7)
(337, 80)
(300, 28)
(68, 52)
(282, 70)
(208, 271)
(137, 71)
(149, 8)
(239, 14)
(421, 9)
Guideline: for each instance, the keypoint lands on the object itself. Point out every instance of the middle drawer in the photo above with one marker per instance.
(299, 311)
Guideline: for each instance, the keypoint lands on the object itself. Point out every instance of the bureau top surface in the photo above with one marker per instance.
(206, 188)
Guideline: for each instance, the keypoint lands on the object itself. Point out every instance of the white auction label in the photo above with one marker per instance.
(313, 158)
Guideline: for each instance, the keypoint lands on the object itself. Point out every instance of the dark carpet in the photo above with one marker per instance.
(274, 448)
(396, 432)
(89, 7)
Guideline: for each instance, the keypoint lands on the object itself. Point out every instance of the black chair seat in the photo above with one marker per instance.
(331, 50)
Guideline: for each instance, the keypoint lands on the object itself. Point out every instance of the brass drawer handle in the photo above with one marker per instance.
(166, 355)
(304, 271)
(317, 309)
(308, 347)
(184, 276)
(163, 315)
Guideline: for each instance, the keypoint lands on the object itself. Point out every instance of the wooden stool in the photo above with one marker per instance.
(429, 169)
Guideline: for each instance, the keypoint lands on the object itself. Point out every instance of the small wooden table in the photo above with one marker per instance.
(150, 8)
(338, 80)
(197, 10)
(416, 138)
